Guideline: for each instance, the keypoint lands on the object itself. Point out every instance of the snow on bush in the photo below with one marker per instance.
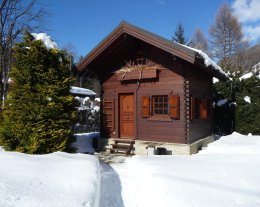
(85, 141)
(247, 99)
(88, 115)
(45, 39)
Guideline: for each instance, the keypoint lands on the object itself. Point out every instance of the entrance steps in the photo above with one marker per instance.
(122, 146)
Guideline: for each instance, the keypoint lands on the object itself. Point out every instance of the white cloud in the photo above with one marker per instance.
(248, 13)
(252, 32)
(247, 10)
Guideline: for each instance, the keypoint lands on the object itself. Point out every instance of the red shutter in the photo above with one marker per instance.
(145, 106)
(192, 108)
(204, 109)
(210, 108)
(175, 107)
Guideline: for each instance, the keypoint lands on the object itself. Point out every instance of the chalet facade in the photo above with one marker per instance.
(154, 91)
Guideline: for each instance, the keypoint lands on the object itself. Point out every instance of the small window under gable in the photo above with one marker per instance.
(139, 59)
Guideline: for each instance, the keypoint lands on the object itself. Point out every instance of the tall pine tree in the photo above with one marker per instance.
(40, 111)
(179, 36)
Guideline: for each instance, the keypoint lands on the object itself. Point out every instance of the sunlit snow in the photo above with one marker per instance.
(247, 99)
(45, 39)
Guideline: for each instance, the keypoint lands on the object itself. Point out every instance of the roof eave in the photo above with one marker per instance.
(142, 34)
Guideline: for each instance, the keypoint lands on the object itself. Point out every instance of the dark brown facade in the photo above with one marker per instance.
(152, 89)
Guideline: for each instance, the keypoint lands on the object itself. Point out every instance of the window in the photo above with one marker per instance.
(160, 105)
(200, 108)
(139, 59)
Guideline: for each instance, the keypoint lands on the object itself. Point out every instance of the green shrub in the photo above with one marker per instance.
(40, 111)
(247, 115)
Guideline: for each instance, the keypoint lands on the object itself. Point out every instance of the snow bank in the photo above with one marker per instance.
(54, 180)
(84, 142)
(45, 39)
(224, 174)
(82, 91)
(235, 144)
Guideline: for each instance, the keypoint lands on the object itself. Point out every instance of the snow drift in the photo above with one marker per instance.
(54, 180)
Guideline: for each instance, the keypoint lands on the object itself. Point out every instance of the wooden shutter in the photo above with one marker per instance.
(108, 114)
(192, 108)
(210, 108)
(145, 106)
(204, 109)
(175, 107)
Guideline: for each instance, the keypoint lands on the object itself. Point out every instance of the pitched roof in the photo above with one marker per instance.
(189, 54)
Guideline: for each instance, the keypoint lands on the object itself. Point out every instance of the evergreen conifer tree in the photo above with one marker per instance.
(179, 36)
(246, 113)
(40, 111)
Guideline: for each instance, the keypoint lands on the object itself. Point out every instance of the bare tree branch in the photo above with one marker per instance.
(16, 16)
(226, 37)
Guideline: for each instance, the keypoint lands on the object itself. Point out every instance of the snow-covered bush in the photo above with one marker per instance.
(241, 109)
(88, 115)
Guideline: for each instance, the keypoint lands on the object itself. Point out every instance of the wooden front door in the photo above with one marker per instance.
(127, 112)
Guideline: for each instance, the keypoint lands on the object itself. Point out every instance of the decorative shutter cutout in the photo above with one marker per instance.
(204, 109)
(145, 106)
(175, 107)
(108, 114)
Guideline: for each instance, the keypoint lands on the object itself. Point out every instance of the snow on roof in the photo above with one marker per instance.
(82, 91)
(187, 53)
(45, 39)
(207, 61)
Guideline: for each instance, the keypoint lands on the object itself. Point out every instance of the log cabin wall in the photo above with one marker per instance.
(200, 90)
(170, 82)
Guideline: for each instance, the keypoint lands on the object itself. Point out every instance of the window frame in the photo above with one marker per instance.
(165, 101)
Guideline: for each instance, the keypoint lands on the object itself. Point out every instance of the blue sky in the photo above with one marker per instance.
(84, 23)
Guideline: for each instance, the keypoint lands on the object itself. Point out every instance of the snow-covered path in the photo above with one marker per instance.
(118, 186)
(227, 173)
(110, 194)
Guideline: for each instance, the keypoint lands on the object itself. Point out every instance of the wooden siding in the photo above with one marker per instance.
(170, 81)
(200, 87)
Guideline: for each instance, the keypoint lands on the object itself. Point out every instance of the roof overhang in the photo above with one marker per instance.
(125, 29)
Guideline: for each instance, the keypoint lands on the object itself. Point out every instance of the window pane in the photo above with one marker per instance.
(160, 105)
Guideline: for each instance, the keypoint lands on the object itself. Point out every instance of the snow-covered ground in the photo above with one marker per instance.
(54, 180)
(227, 173)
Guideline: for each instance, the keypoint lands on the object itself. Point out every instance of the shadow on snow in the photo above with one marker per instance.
(110, 193)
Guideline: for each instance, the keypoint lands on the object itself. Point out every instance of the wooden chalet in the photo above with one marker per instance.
(155, 92)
